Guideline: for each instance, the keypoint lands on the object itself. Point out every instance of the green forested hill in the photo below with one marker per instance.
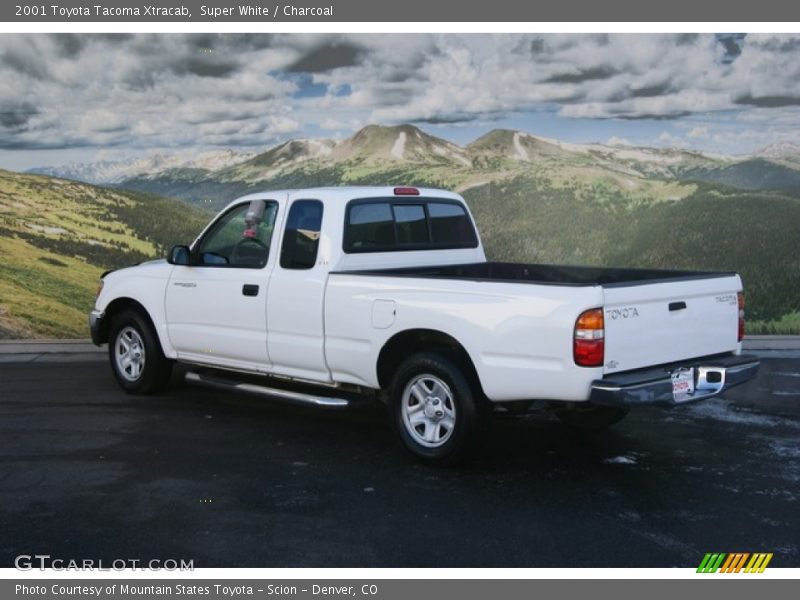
(58, 236)
(756, 234)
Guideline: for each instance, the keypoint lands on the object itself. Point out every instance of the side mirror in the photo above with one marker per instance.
(179, 255)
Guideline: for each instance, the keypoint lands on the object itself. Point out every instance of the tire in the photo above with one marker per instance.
(437, 409)
(135, 354)
(590, 417)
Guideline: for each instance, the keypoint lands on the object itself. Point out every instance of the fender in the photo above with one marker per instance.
(144, 285)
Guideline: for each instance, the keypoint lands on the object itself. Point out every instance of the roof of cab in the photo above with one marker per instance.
(351, 192)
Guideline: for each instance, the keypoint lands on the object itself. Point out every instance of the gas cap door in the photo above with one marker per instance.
(383, 313)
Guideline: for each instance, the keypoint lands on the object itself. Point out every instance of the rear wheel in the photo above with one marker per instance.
(436, 408)
(135, 354)
(590, 417)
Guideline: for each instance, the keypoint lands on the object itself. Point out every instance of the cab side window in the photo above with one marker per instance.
(301, 238)
(240, 238)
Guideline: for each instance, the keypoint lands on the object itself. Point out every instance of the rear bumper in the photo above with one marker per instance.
(96, 327)
(712, 377)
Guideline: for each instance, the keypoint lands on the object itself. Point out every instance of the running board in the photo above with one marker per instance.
(221, 383)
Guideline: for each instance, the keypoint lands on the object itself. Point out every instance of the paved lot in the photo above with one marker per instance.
(88, 472)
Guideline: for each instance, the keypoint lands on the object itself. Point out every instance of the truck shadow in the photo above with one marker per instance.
(509, 443)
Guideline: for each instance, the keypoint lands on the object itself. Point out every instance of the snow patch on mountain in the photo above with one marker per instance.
(522, 154)
(110, 172)
(454, 153)
(321, 147)
(783, 149)
(399, 146)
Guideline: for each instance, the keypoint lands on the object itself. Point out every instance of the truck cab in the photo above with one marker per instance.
(249, 291)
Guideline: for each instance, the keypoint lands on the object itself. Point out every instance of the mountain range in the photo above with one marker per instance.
(397, 153)
(106, 172)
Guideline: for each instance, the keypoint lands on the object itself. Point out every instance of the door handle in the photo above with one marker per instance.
(677, 306)
(250, 289)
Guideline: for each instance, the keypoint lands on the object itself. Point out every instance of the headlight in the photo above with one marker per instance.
(99, 289)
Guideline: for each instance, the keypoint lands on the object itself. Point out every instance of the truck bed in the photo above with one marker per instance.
(652, 317)
(545, 274)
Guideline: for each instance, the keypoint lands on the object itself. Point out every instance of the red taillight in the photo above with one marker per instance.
(741, 317)
(589, 340)
(406, 191)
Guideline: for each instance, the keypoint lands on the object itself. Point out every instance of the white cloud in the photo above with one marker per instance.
(698, 132)
(618, 141)
(151, 90)
(668, 139)
(336, 124)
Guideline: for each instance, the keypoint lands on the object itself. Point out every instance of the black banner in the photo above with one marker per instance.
(410, 10)
(393, 589)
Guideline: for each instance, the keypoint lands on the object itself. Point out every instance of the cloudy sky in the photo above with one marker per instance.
(79, 97)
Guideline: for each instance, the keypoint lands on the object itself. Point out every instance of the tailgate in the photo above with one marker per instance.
(656, 323)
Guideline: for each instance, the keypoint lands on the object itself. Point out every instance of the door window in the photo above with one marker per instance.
(240, 238)
(301, 239)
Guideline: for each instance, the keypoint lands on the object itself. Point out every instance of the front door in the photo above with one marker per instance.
(217, 308)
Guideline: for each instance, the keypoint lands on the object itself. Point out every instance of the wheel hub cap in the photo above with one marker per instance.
(129, 354)
(428, 410)
(433, 409)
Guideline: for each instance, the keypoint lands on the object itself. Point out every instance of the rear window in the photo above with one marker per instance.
(449, 223)
(410, 224)
(385, 225)
(371, 226)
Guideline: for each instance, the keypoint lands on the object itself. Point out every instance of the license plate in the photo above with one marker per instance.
(682, 384)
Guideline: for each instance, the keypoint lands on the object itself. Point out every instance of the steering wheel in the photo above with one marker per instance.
(249, 252)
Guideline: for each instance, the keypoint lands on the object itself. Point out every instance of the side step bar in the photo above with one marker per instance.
(222, 383)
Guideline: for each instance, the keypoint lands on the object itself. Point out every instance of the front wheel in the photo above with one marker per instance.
(135, 354)
(436, 408)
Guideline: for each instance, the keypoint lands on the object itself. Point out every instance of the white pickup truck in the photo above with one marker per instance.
(332, 295)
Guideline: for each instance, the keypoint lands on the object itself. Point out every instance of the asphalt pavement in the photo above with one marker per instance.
(88, 472)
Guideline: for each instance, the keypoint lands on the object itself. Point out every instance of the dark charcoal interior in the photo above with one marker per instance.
(551, 274)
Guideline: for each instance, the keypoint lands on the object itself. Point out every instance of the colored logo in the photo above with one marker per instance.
(719, 562)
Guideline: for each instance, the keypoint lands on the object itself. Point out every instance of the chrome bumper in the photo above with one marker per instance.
(712, 377)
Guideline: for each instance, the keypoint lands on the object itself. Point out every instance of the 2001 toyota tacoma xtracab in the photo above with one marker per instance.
(331, 295)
